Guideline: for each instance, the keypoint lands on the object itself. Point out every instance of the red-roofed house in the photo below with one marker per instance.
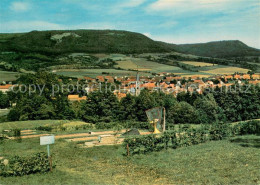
(76, 98)
(5, 88)
(246, 76)
(237, 76)
(100, 78)
(255, 76)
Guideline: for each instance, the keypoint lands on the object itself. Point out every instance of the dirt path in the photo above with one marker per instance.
(69, 135)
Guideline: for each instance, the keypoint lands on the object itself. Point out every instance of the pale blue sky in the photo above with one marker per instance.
(174, 21)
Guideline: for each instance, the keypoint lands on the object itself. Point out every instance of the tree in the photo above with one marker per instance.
(144, 102)
(127, 108)
(182, 112)
(41, 104)
(100, 106)
(208, 109)
(4, 101)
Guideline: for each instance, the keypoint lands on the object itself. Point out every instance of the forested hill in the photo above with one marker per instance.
(218, 49)
(114, 41)
(90, 41)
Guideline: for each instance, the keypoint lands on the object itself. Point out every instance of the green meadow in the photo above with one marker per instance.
(215, 162)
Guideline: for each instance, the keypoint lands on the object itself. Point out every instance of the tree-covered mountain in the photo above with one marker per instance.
(89, 41)
(114, 41)
(218, 49)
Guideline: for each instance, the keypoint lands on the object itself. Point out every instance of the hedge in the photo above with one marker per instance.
(19, 166)
(188, 136)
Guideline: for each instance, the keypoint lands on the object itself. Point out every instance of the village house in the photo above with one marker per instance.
(76, 98)
(237, 77)
(109, 79)
(255, 76)
(89, 79)
(100, 78)
(246, 76)
(5, 88)
(228, 77)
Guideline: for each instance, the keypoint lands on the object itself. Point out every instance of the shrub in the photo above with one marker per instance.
(16, 132)
(19, 166)
(103, 125)
(12, 133)
(44, 128)
(218, 131)
(126, 125)
(249, 127)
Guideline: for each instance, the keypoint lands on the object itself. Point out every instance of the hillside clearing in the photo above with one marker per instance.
(226, 70)
(80, 73)
(8, 76)
(141, 64)
(197, 64)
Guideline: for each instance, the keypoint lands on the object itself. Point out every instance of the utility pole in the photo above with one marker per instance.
(164, 121)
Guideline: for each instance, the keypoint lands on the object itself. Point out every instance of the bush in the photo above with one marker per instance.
(249, 127)
(16, 132)
(150, 143)
(218, 131)
(138, 125)
(12, 133)
(103, 125)
(19, 166)
(187, 136)
(44, 128)
(126, 125)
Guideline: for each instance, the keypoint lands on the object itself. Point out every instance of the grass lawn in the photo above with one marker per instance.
(29, 124)
(215, 162)
(4, 112)
(8, 76)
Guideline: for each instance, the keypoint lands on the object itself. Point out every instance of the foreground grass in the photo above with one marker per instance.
(219, 162)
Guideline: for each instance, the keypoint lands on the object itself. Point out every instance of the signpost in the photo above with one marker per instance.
(48, 140)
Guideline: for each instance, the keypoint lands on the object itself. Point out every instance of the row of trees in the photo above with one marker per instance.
(212, 106)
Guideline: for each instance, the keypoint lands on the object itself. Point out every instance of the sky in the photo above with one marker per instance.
(172, 21)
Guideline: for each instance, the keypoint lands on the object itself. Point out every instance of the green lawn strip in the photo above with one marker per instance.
(30, 124)
(215, 162)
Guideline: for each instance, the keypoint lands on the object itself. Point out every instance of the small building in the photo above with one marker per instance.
(237, 77)
(255, 76)
(5, 88)
(246, 76)
(76, 98)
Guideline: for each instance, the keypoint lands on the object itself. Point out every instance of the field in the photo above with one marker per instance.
(7, 76)
(226, 70)
(197, 64)
(144, 65)
(215, 162)
(129, 64)
(79, 73)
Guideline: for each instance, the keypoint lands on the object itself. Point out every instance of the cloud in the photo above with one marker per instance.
(173, 7)
(131, 3)
(87, 25)
(147, 34)
(26, 26)
(20, 6)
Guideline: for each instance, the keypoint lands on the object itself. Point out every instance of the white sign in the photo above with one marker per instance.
(47, 140)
